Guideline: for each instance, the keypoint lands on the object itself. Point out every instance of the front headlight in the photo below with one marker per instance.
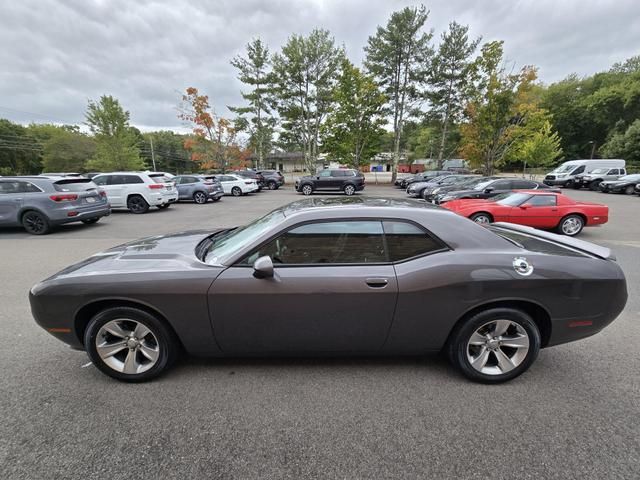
(435, 190)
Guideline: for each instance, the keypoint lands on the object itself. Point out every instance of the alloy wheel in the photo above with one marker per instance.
(199, 198)
(272, 185)
(571, 226)
(497, 347)
(236, 192)
(349, 190)
(34, 223)
(137, 205)
(482, 219)
(127, 346)
(307, 190)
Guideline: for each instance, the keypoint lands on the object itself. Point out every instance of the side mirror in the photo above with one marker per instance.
(263, 267)
(524, 206)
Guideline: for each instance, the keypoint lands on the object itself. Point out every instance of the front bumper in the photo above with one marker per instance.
(558, 181)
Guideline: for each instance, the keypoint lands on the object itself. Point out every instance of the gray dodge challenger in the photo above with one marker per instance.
(336, 276)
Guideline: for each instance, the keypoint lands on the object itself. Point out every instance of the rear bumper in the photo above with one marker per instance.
(75, 214)
(215, 195)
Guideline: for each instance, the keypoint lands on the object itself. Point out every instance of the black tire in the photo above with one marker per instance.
(271, 185)
(306, 189)
(236, 191)
(200, 198)
(595, 185)
(167, 345)
(482, 217)
(136, 204)
(574, 185)
(216, 199)
(571, 225)
(90, 221)
(459, 351)
(630, 190)
(349, 190)
(35, 223)
(164, 207)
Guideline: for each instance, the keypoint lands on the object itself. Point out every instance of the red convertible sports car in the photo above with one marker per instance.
(539, 209)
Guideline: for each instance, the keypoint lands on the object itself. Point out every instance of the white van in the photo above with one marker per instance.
(565, 174)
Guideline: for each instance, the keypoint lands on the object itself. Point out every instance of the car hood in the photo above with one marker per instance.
(468, 203)
(160, 253)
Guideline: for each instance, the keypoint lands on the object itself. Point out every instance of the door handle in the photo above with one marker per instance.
(377, 282)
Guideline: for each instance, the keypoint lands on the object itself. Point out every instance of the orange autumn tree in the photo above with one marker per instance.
(213, 143)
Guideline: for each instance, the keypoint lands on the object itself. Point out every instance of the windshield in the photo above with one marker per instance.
(225, 245)
(510, 198)
(483, 185)
(472, 182)
(564, 168)
(75, 185)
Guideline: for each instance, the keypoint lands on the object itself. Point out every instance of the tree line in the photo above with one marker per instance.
(414, 96)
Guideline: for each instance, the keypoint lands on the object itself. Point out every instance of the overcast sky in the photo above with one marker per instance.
(56, 55)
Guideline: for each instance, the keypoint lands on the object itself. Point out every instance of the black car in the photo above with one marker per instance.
(253, 175)
(342, 179)
(491, 188)
(434, 195)
(418, 189)
(272, 179)
(626, 184)
(423, 177)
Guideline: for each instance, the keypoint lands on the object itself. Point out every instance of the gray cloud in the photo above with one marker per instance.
(58, 54)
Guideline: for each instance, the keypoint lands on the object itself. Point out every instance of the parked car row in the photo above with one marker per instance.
(40, 202)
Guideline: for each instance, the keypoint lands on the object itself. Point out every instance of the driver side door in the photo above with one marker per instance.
(332, 291)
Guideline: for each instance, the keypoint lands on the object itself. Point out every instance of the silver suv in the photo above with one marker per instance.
(39, 203)
(594, 178)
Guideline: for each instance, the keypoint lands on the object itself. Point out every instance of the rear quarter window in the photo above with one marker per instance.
(406, 240)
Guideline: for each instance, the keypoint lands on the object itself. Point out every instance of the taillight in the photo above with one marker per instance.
(156, 186)
(248, 183)
(103, 194)
(208, 183)
(67, 197)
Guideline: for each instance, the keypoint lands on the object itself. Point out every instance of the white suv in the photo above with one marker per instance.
(137, 191)
(236, 185)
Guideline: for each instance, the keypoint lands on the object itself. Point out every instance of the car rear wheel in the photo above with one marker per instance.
(630, 190)
(595, 185)
(90, 221)
(200, 198)
(571, 225)
(35, 223)
(129, 344)
(236, 191)
(307, 189)
(216, 199)
(349, 190)
(481, 217)
(495, 345)
(272, 185)
(137, 204)
(572, 184)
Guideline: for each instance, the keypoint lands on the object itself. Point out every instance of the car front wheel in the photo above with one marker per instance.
(349, 190)
(629, 190)
(236, 192)
(482, 218)
(571, 225)
(307, 189)
(272, 185)
(129, 344)
(495, 345)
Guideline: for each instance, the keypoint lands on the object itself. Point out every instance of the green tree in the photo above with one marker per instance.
(116, 143)
(68, 151)
(539, 147)
(168, 151)
(450, 80)
(501, 106)
(353, 128)
(625, 145)
(397, 56)
(254, 70)
(305, 73)
(20, 151)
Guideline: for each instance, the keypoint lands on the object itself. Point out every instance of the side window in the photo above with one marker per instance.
(613, 171)
(501, 185)
(523, 185)
(406, 240)
(8, 187)
(325, 173)
(28, 187)
(542, 201)
(115, 180)
(578, 170)
(130, 179)
(100, 180)
(340, 242)
(337, 173)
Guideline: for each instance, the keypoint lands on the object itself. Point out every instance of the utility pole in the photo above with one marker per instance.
(593, 148)
(153, 156)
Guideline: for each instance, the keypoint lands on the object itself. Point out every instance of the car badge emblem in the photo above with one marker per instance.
(522, 266)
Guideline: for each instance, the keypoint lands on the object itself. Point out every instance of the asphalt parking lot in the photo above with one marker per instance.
(574, 414)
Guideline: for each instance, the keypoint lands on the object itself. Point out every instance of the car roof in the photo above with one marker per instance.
(356, 203)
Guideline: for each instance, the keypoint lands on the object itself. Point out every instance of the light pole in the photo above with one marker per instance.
(593, 148)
